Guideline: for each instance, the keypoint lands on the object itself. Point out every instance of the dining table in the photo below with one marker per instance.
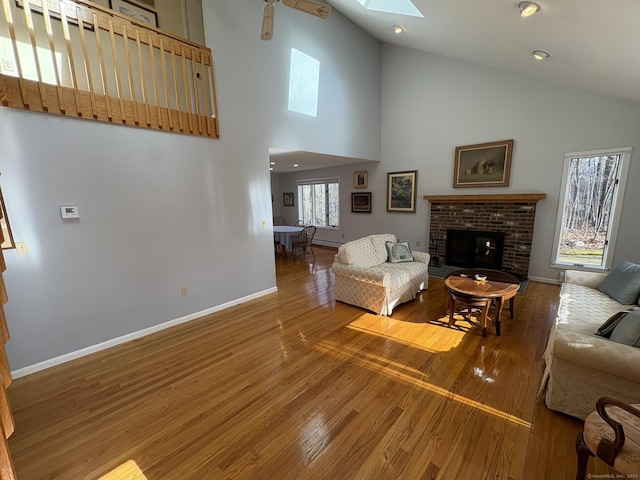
(283, 235)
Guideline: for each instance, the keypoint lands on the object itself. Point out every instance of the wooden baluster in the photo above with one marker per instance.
(165, 81)
(72, 66)
(87, 62)
(213, 98)
(132, 92)
(187, 94)
(52, 51)
(12, 33)
(145, 99)
(7, 424)
(28, 18)
(196, 94)
(4, 330)
(7, 470)
(175, 85)
(153, 78)
(105, 84)
(4, 367)
(116, 71)
(206, 92)
(6, 415)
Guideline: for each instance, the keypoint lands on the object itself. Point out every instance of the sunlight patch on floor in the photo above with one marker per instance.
(127, 471)
(416, 335)
(412, 377)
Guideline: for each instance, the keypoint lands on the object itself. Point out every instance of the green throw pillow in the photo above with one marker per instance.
(622, 283)
(628, 330)
(399, 252)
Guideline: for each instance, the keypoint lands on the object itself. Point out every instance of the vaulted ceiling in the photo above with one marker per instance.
(593, 44)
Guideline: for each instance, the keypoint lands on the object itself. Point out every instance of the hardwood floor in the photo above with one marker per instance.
(296, 386)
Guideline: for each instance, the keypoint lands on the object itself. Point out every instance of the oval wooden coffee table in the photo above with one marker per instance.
(462, 287)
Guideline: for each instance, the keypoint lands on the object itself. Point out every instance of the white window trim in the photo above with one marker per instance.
(625, 157)
(317, 181)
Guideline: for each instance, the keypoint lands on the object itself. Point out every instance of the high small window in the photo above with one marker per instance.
(319, 202)
(589, 209)
(304, 78)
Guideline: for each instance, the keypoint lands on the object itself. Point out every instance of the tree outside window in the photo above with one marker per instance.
(590, 204)
(320, 202)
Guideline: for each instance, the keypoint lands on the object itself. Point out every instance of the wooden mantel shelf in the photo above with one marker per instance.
(500, 198)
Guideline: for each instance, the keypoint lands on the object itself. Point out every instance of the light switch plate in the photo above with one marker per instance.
(69, 211)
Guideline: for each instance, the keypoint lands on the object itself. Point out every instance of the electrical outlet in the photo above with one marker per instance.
(22, 248)
(184, 290)
(417, 244)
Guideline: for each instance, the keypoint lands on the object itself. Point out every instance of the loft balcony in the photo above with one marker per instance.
(78, 59)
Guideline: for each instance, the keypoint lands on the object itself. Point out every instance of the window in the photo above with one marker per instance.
(319, 202)
(589, 208)
(399, 7)
(304, 78)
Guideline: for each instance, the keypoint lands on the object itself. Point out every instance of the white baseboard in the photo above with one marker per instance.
(553, 281)
(21, 372)
(327, 243)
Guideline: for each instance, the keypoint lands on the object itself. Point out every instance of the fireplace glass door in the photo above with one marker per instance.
(474, 249)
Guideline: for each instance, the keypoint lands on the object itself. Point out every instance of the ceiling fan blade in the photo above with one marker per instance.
(321, 10)
(267, 23)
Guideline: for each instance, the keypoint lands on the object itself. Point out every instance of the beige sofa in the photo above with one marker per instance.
(364, 277)
(581, 367)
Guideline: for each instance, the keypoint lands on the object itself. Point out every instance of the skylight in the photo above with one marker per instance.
(400, 7)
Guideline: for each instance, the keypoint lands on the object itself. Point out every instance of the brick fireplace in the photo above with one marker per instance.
(513, 214)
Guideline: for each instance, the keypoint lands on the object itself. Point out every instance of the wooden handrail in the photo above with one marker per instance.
(87, 61)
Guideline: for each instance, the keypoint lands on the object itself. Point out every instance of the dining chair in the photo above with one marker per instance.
(301, 243)
(612, 434)
(279, 221)
(299, 223)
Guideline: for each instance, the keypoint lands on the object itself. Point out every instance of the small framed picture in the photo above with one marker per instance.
(361, 202)
(483, 165)
(360, 179)
(287, 199)
(401, 191)
(137, 12)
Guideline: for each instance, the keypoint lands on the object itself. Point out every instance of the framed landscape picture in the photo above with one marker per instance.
(361, 202)
(483, 165)
(401, 191)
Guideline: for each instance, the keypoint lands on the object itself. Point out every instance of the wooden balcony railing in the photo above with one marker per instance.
(79, 59)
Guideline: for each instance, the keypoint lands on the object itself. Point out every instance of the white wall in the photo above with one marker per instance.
(159, 211)
(431, 104)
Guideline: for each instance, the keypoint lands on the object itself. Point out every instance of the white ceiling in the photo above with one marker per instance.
(283, 160)
(593, 45)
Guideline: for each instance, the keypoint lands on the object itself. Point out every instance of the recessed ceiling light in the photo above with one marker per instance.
(272, 163)
(295, 165)
(528, 8)
(540, 54)
(398, 29)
